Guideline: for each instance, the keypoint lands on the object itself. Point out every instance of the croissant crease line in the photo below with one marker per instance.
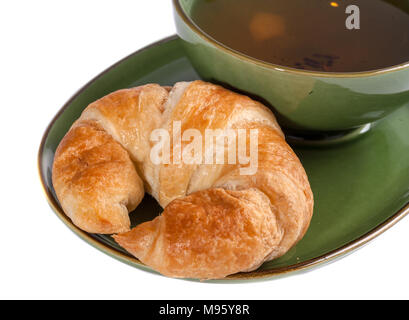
(216, 220)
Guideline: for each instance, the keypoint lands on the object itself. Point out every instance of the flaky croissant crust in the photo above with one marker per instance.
(216, 221)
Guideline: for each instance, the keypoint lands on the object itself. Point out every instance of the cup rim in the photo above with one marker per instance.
(189, 21)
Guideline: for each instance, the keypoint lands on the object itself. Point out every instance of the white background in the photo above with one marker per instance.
(48, 50)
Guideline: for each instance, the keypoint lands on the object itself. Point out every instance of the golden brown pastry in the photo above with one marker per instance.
(99, 165)
(216, 221)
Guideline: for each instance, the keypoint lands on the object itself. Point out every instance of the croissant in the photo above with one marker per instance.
(218, 218)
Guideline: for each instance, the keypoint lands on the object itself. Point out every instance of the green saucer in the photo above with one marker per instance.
(361, 187)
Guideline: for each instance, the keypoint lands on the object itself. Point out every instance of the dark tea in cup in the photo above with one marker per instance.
(311, 34)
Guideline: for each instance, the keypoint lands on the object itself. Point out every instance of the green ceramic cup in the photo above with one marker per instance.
(322, 104)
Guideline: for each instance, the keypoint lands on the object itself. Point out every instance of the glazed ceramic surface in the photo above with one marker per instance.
(303, 100)
(361, 188)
